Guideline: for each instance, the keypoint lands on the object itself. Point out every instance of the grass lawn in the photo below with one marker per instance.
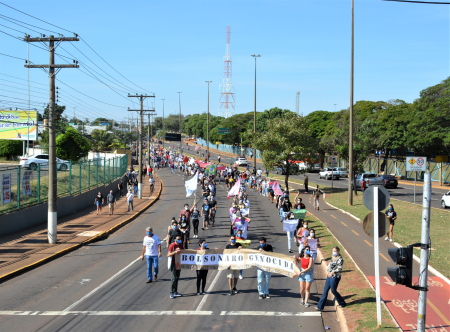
(408, 226)
(361, 311)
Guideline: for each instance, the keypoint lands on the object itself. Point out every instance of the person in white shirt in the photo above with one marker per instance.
(130, 196)
(259, 172)
(152, 250)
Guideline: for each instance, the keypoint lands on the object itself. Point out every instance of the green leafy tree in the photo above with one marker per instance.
(100, 140)
(71, 145)
(287, 138)
(10, 148)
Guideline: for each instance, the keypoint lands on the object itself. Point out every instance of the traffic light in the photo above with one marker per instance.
(401, 274)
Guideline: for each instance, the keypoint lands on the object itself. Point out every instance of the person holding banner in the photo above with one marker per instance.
(289, 225)
(264, 276)
(306, 276)
(202, 274)
(334, 269)
(313, 243)
(233, 274)
(173, 250)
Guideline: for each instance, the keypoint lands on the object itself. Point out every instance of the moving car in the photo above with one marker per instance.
(389, 181)
(374, 180)
(241, 161)
(32, 162)
(445, 200)
(329, 173)
(343, 173)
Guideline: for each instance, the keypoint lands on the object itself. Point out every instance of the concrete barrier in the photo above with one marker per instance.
(22, 219)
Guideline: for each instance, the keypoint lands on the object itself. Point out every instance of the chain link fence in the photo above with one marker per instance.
(22, 187)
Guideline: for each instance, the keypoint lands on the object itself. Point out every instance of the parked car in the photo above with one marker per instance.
(445, 200)
(309, 167)
(389, 181)
(32, 162)
(241, 161)
(343, 173)
(374, 180)
(328, 173)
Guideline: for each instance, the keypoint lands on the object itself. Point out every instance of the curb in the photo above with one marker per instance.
(95, 238)
(339, 310)
(416, 258)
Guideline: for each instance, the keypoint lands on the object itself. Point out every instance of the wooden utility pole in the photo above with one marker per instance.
(141, 134)
(52, 218)
(350, 140)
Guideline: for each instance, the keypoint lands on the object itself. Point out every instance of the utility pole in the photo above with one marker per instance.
(350, 139)
(163, 124)
(207, 125)
(179, 103)
(52, 218)
(425, 246)
(148, 145)
(141, 134)
(254, 114)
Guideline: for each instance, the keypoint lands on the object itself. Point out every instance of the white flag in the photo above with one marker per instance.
(191, 185)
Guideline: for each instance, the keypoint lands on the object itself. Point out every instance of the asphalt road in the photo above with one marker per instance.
(403, 192)
(102, 286)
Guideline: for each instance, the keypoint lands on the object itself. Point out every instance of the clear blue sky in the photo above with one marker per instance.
(170, 46)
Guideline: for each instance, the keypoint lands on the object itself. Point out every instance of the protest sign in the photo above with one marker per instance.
(289, 225)
(26, 185)
(221, 168)
(244, 243)
(223, 259)
(6, 188)
(312, 243)
(241, 225)
(299, 214)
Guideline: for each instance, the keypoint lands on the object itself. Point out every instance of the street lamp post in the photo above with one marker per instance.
(350, 140)
(164, 132)
(254, 113)
(207, 126)
(179, 104)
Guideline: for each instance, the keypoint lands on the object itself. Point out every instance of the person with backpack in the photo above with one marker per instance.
(316, 198)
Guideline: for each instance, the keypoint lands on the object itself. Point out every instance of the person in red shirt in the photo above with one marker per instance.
(173, 250)
(306, 276)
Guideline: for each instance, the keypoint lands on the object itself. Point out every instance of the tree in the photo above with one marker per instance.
(100, 140)
(285, 139)
(71, 145)
(10, 148)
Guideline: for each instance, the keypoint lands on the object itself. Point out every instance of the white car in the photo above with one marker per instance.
(445, 200)
(32, 162)
(343, 173)
(329, 173)
(241, 161)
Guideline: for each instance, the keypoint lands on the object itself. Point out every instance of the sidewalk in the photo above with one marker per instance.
(26, 250)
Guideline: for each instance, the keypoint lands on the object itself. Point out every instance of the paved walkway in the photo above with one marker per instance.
(25, 250)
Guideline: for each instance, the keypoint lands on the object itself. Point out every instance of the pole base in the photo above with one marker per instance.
(51, 225)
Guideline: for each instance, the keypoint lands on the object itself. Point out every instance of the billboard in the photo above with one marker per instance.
(16, 124)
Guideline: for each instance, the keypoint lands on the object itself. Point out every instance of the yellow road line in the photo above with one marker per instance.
(368, 243)
(343, 223)
(387, 260)
(354, 232)
(440, 314)
(333, 216)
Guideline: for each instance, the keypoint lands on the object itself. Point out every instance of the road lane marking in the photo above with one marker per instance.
(269, 313)
(440, 314)
(368, 243)
(333, 216)
(343, 223)
(104, 313)
(387, 260)
(354, 232)
(96, 289)
(211, 287)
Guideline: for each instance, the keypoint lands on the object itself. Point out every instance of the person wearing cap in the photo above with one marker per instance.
(152, 251)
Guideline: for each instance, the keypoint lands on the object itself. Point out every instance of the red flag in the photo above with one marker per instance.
(197, 161)
(186, 159)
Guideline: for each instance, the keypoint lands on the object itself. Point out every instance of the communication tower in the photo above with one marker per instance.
(226, 89)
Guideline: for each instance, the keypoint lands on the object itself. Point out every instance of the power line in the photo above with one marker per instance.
(22, 79)
(36, 18)
(10, 18)
(11, 56)
(427, 2)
